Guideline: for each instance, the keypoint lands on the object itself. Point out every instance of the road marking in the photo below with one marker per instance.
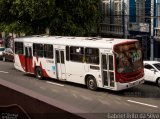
(87, 98)
(142, 103)
(104, 101)
(4, 72)
(118, 102)
(74, 95)
(54, 83)
(126, 104)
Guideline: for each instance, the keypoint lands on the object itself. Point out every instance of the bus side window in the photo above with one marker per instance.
(38, 50)
(92, 55)
(19, 48)
(76, 54)
(48, 51)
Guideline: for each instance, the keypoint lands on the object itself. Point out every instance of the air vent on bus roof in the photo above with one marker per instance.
(93, 38)
(42, 35)
(109, 39)
(71, 38)
(46, 36)
(36, 35)
(58, 37)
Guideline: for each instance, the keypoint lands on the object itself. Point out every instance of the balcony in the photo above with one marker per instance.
(108, 29)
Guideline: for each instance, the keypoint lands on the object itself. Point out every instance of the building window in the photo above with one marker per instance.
(117, 12)
(158, 15)
(157, 33)
(106, 10)
(140, 11)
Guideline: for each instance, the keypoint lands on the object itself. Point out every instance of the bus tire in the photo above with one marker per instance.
(158, 82)
(91, 83)
(39, 73)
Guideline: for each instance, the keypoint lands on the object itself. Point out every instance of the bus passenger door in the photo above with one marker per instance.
(108, 70)
(28, 59)
(60, 65)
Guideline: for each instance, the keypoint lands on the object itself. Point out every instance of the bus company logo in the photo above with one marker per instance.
(53, 68)
(36, 61)
(50, 61)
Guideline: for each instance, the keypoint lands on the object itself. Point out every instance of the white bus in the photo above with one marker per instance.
(114, 64)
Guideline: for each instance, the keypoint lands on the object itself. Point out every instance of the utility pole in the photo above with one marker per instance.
(126, 18)
(123, 19)
(152, 31)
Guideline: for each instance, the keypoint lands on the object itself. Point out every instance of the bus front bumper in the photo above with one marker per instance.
(122, 86)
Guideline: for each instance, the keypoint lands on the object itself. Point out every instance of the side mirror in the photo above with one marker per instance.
(153, 70)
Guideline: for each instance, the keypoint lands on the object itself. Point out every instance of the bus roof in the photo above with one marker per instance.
(75, 41)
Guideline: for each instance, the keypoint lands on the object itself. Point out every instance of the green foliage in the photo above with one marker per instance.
(62, 17)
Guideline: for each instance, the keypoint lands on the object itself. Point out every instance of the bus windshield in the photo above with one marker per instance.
(128, 57)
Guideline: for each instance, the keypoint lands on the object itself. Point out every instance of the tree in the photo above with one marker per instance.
(76, 17)
(62, 17)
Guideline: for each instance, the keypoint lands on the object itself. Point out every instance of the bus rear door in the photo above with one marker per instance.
(107, 70)
(60, 64)
(28, 59)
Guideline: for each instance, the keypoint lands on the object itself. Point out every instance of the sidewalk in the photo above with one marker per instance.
(17, 105)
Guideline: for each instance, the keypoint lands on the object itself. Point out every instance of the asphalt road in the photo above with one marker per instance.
(143, 100)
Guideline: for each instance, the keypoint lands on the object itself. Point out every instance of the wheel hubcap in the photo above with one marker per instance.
(38, 74)
(91, 84)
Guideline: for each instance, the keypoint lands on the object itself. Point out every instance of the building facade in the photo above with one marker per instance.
(113, 22)
(137, 19)
(157, 30)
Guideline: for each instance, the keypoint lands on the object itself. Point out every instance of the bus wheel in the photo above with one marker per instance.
(39, 73)
(91, 83)
(158, 82)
